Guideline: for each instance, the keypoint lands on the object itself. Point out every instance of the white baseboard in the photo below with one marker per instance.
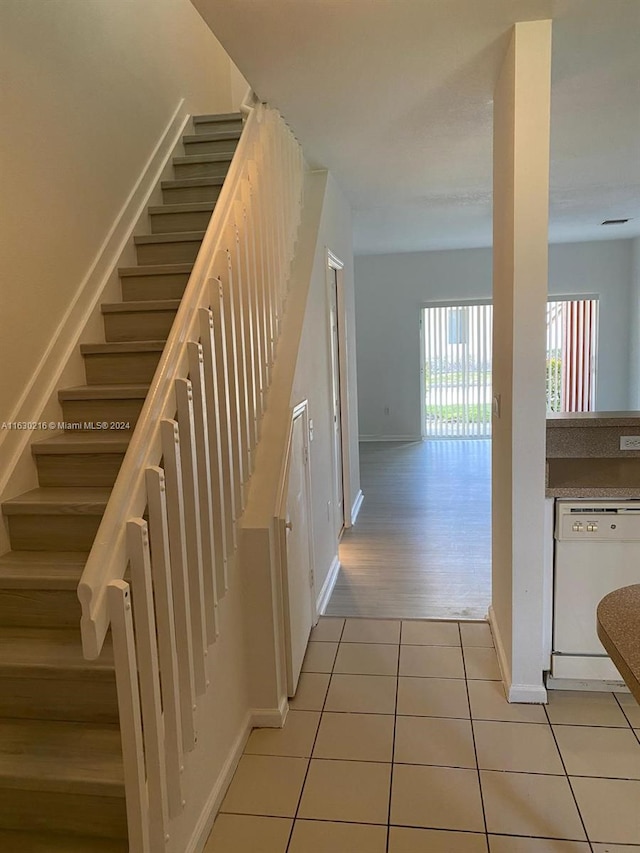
(209, 813)
(46, 376)
(503, 662)
(355, 509)
(531, 694)
(328, 585)
(526, 693)
(270, 718)
(390, 438)
(255, 718)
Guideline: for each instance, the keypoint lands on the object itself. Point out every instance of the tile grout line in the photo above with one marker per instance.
(619, 704)
(393, 744)
(564, 767)
(473, 737)
(313, 745)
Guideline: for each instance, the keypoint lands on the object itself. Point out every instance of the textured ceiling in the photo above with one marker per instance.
(395, 98)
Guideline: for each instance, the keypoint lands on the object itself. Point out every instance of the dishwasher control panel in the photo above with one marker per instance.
(597, 521)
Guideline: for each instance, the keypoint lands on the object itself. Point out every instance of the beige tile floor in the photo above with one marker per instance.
(400, 740)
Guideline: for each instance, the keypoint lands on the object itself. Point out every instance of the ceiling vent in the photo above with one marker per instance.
(614, 221)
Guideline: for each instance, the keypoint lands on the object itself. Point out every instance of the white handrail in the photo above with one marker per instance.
(108, 558)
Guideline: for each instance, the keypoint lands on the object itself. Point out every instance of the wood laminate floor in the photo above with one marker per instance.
(421, 548)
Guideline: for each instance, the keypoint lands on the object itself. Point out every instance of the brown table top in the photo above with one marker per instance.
(618, 623)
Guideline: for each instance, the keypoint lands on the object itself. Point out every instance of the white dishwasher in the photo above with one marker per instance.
(597, 550)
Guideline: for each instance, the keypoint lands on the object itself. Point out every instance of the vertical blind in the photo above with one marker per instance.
(579, 343)
(457, 371)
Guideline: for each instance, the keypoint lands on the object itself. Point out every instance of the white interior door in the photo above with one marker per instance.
(298, 577)
(337, 404)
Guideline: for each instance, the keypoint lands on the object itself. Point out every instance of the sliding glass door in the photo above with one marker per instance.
(456, 364)
(457, 370)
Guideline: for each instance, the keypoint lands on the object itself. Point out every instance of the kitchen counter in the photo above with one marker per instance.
(618, 622)
(584, 459)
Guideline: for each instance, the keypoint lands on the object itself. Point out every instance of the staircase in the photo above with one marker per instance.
(61, 769)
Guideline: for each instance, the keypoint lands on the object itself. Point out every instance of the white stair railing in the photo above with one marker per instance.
(175, 527)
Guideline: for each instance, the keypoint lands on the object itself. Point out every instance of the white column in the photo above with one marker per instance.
(520, 248)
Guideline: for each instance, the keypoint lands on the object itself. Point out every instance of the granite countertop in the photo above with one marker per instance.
(618, 621)
(592, 419)
(595, 492)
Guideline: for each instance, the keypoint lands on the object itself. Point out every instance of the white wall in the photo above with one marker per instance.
(634, 316)
(88, 88)
(391, 288)
(313, 375)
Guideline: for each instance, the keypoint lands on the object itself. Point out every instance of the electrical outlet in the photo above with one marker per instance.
(630, 442)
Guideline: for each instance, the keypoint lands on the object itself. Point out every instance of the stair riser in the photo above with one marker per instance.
(217, 126)
(171, 223)
(78, 469)
(136, 288)
(109, 411)
(217, 146)
(138, 326)
(201, 170)
(52, 533)
(37, 608)
(59, 699)
(188, 195)
(45, 811)
(168, 253)
(135, 368)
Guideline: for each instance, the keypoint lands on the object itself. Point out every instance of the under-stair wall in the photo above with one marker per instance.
(302, 372)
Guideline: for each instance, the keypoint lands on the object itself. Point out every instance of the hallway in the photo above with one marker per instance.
(421, 547)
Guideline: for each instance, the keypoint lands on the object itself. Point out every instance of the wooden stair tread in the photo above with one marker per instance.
(58, 501)
(107, 441)
(155, 269)
(104, 392)
(122, 347)
(185, 183)
(27, 842)
(205, 119)
(218, 157)
(27, 652)
(183, 207)
(137, 306)
(69, 757)
(219, 136)
(41, 569)
(172, 237)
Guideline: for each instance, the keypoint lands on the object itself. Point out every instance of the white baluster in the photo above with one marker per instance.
(182, 612)
(235, 316)
(232, 347)
(220, 450)
(252, 291)
(149, 680)
(193, 536)
(261, 284)
(167, 653)
(124, 652)
(196, 373)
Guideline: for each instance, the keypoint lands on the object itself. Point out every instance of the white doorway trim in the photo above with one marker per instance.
(293, 601)
(335, 267)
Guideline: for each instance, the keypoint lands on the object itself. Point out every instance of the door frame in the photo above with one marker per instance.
(335, 266)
